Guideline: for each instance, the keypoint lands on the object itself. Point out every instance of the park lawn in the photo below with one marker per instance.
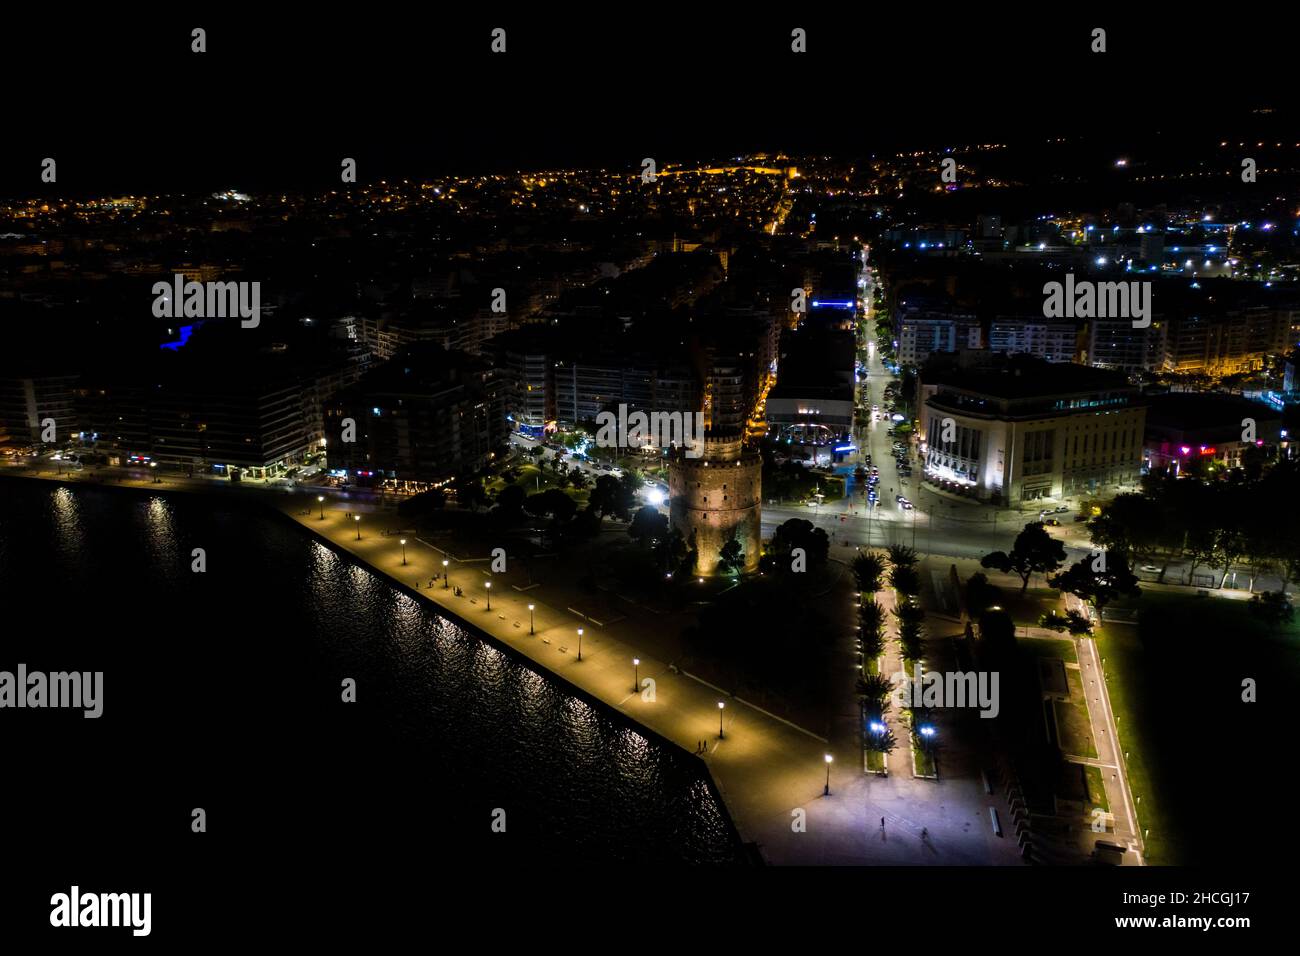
(1096, 788)
(1049, 647)
(533, 479)
(1125, 663)
(1187, 655)
(1026, 609)
(1072, 719)
(922, 762)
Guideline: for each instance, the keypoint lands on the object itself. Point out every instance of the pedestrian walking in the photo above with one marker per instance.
(882, 823)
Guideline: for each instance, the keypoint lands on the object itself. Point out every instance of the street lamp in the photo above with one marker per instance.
(721, 707)
(636, 674)
(579, 643)
(530, 619)
(826, 792)
(446, 578)
(320, 499)
(358, 520)
(488, 586)
(403, 551)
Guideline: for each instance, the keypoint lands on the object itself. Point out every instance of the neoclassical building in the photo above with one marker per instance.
(1025, 429)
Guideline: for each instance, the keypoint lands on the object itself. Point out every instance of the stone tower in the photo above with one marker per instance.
(716, 497)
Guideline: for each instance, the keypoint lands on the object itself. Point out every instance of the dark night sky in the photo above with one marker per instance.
(124, 105)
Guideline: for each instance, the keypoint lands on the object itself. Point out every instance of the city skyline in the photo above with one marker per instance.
(655, 446)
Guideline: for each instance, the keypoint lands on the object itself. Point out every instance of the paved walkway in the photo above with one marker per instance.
(770, 773)
(765, 769)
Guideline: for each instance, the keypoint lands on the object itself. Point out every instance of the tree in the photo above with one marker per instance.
(868, 569)
(997, 635)
(1099, 578)
(626, 501)
(980, 594)
(796, 533)
(921, 717)
(692, 559)
(1230, 544)
(871, 620)
(871, 615)
(669, 551)
(905, 580)
(1071, 621)
(731, 557)
(647, 525)
(510, 502)
(606, 496)
(1035, 551)
(910, 620)
(470, 492)
(552, 502)
(1129, 523)
(874, 689)
(880, 741)
(1272, 607)
(900, 555)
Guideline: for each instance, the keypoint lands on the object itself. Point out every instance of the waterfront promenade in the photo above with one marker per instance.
(770, 774)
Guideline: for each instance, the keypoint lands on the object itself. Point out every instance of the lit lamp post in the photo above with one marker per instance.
(530, 619)
(320, 500)
(358, 520)
(721, 706)
(826, 792)
(446, 577)
(403, 552)
(579, 643)
(636, 674)
(488, 586)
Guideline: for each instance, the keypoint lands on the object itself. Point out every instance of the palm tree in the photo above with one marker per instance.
(875, 689)
(900, 555)
(881, 741)
(905, 580)
(871, 616)
(868, 569)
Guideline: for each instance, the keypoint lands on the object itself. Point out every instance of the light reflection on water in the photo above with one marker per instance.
(444, 709)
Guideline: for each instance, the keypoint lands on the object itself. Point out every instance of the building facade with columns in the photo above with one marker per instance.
(1024, 430)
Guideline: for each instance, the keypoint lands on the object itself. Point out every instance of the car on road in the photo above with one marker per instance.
(907, 505)
(1150, 569)
(899, 498)
(1052, 522)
